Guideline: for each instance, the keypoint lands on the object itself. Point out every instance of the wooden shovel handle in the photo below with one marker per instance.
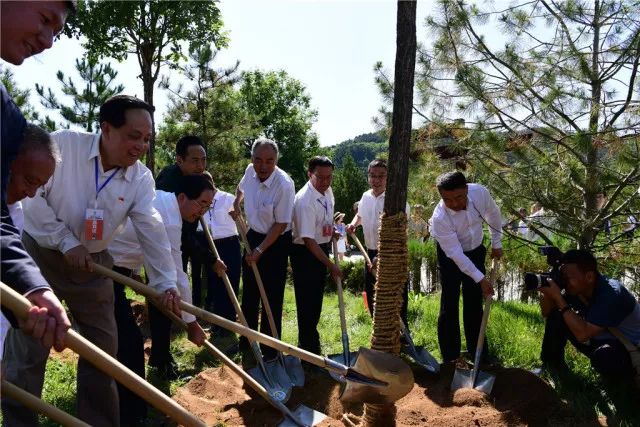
(225, 277)
(250, 334)
(40, 406)
(242, 228)
(343, 320)
(92, 353)
(361, 248)
(248, 379)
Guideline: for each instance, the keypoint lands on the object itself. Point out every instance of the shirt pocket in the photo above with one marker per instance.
(265, 213)
(222, 217)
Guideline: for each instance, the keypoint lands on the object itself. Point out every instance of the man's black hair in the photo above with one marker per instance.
(193, 186)
(377, 163)
(185, 142)
(72, 6)
(451, 181)
(582, 258)
(114, 109)
(318, 161)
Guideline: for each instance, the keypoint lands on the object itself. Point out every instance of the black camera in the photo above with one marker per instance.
(533, 281)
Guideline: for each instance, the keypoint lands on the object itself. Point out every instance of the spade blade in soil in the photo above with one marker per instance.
(278, 392)
(293, 367)
(303, 416)
(419, 354)
(341, 359)
(422, 357)
(395, 375)
(278, 372)
(463, 378)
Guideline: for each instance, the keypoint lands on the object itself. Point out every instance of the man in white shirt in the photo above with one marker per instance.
(268, 194)
(69, 224)
(312, 234)
(457, 228)
(225, 236)
(193, 196)
(370, 207)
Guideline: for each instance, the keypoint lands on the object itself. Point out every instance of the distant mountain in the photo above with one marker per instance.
(363, 148)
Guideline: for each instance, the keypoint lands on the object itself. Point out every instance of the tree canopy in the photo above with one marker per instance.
(154, 31)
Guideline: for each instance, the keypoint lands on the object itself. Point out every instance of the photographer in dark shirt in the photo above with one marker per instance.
(582, 314)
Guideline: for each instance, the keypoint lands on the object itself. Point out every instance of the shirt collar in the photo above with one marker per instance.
(94, 151)
(315, 192)
(267, 182)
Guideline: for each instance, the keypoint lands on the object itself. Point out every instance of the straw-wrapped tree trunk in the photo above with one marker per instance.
(393, 269)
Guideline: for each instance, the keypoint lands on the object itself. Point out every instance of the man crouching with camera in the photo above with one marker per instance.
(584, 312)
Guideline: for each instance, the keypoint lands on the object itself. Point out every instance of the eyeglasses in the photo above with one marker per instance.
(323, 178)
(372, 176)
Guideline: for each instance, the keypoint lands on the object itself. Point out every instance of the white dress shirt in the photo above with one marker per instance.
(268, 202)
(125, 248)
(370, 207)
(458, 232)
(311, 211)
(55, 216)
(217, 218)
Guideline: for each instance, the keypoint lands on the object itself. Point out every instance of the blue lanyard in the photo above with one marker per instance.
(104, 184)
(325, 205)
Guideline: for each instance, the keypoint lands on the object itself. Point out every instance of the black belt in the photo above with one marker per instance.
(252, 231)
(226, 239)
(124, 271)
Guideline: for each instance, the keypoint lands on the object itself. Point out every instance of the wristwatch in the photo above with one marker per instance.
(563, 309)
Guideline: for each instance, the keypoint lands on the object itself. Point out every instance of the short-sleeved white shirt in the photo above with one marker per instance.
(370, 207)
(267, 202)
(311, 211)
(217, 218)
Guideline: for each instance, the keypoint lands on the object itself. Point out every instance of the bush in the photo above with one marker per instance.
(353, 277)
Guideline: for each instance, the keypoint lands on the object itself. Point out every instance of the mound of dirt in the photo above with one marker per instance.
(519, 398)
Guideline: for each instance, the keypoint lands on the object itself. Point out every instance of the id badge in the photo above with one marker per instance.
(93, 224)
(327, 230)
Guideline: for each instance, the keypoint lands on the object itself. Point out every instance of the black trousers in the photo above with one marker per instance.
(608, 357)
(448, 321)
(309, 275)
(272, 266)
(160, 326)
(130, 353)
(369, 287)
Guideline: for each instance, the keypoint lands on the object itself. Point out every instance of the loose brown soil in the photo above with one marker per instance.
(518, 398)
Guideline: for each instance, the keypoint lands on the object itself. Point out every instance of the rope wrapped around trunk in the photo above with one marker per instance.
(392, 275)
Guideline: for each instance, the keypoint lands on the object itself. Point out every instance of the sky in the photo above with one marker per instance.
(331, 46)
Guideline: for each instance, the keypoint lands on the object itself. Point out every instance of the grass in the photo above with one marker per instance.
(515, 332)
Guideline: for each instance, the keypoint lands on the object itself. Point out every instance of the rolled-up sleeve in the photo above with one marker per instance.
(448, 241)
(152, 236)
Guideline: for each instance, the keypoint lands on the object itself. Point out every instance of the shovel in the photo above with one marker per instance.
(419, 354)
(302, 416)
(291, 364)
(475, 378)
(377, 377)
(40, 406)
(346, 358)
(96, 356)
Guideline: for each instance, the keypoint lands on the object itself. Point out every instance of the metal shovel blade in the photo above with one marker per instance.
(422, 357)
(277, 391)
(341, 359)
(395, 376)
(293, 368)
(304, 416)
(463, 378)
(279, 373)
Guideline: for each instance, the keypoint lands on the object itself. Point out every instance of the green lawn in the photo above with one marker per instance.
(515, 333)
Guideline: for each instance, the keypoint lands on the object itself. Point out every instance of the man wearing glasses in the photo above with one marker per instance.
(312, 234)
(268, 194)
(192, 198)
(370, 207)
